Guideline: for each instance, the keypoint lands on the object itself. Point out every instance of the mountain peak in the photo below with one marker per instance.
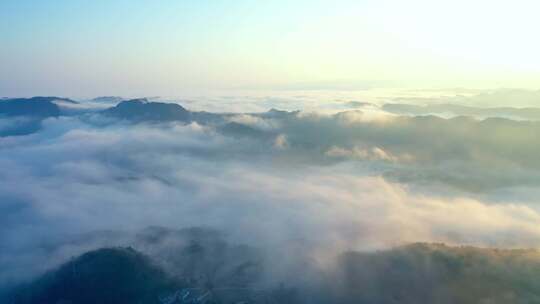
(107, 275)
(143, 110)
(35, 106)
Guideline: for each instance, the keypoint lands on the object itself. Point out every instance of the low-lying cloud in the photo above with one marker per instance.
(75, 177)
(313, 184)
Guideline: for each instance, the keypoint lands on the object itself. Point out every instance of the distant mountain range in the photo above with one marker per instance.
(26, 114)
(460, 110)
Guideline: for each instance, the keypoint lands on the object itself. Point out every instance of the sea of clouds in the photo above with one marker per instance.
(295, 184)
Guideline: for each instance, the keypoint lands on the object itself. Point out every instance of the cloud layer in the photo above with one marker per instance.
(314, 184)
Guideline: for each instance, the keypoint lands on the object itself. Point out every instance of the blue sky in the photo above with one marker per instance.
(168, 47)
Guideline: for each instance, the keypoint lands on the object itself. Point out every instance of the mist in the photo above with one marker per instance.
(288, 192)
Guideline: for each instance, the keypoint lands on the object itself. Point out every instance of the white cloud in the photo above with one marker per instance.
(281, 142)
(76, 176)
(369, 154)
(255, 121)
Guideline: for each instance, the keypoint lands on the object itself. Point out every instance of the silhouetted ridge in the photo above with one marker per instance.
(41, 107)
(143, 110)
(207, 268)
(436, 273)
(106, 276)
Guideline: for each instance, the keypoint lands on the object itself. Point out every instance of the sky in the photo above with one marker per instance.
(91, 48)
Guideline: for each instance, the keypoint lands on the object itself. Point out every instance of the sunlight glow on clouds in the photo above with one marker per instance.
(73, 177)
